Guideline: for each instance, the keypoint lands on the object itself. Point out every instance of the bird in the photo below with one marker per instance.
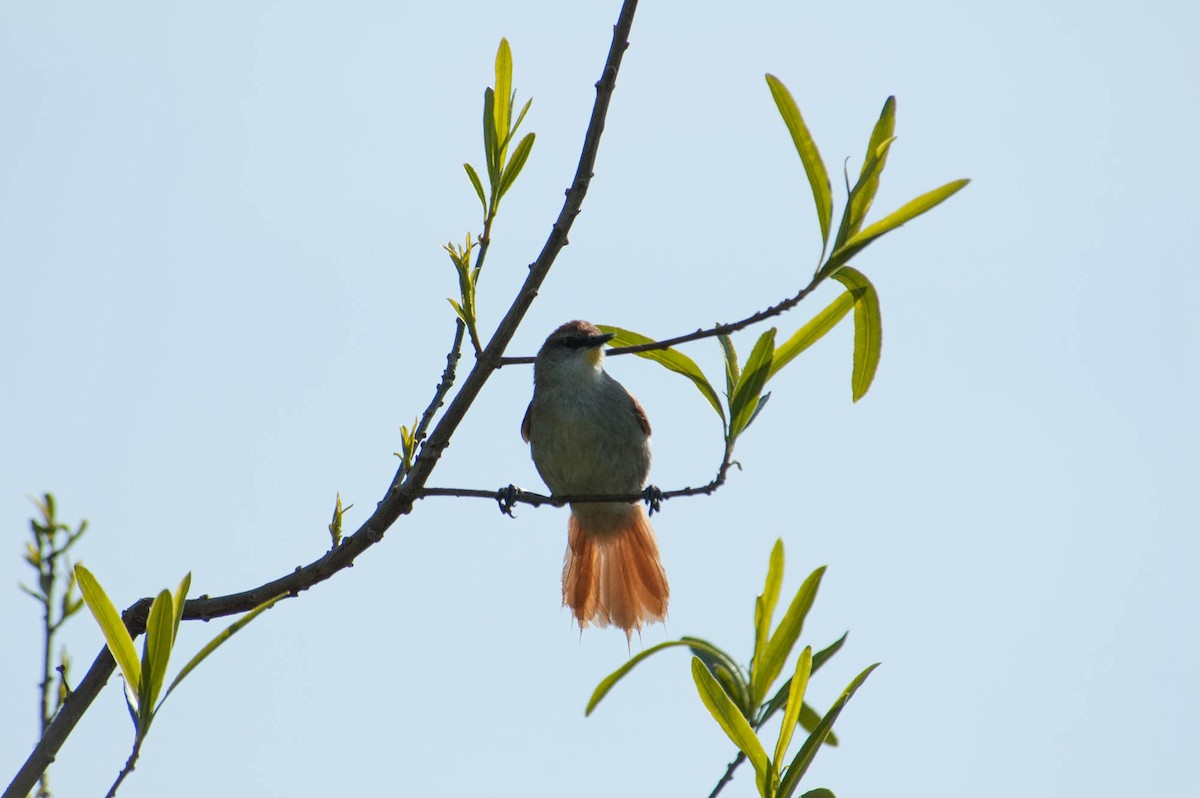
(588, 435)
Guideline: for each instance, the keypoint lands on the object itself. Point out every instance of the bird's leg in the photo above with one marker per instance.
(506, 497)
(653, 497)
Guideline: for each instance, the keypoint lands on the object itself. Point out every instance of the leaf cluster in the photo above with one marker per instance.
(502, 168)
(744, 384)
(144, 677)
(52, 540)
(736, 697)
(499, 129)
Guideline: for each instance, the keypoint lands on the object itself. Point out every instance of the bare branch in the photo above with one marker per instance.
(710, 332)
(511, 495)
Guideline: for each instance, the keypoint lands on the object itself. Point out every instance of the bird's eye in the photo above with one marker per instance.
(575, 342)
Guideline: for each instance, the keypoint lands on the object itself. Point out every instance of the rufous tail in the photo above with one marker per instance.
(612, 573)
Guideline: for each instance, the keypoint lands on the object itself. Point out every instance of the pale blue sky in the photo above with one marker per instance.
(223, 292)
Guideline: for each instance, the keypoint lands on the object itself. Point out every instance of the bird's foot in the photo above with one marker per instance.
(506, 497)
(653, 497)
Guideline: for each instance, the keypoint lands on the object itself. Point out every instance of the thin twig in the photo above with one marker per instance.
(439, 394)
(400, 497)
(513, 495)
(129, 765)
(709, 332)
(728, 777)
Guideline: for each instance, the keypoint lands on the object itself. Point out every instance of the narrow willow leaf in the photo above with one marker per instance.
(788, 632)
(824, 655)
(728, 674)
(804, 756)
(780, 698)
(515, 164)
(521, 117)
(502, 105)
(744, 401)
(702, 648)
(181, 592)
(863, 193)
(157, 653)
(732, 370)
(216, 642)
(764, 613)
(808, 721)
(458, 309)
(762, 402)
(671, 359)
(814, 167)
(115, 634)
(475, 181)
(730, 719)
(905, 213)
(608, 681)
(795, 700)
(868, 329)
(812, 332)
(490, 139)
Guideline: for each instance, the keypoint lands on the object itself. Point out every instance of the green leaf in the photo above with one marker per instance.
(863, 193)
(731, 720)
(819, 792)
(786, 634)
(115, 634)
(905, 213)
(727, 672)
(814, 167)
(607, 682)
(490, 138)
(213, 644)
(804, 756)
(744, 402)
(824, 655)
(181, 592)
(732, 370)
(809, 719)
(156, 655)
(819, 659)
(521, 116)
(762, 402)
(868, 329)
(478, 184)
(671, 359)
(812, 332)
(791, 713)
(764, 612)
(462, 314)
(502, 106)
(520, 155)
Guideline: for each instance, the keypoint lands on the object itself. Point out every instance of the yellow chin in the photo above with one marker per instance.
(595, 355)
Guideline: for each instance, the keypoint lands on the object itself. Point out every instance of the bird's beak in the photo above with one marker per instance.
(601, 339)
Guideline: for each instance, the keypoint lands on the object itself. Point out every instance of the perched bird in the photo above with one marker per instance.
(589, 436)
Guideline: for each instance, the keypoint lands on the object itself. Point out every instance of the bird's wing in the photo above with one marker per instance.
(640, 414)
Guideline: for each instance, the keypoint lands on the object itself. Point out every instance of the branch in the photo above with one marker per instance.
(710, 332)
(509, 496)
(400, 497)
(439, 393)
(728, 777)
